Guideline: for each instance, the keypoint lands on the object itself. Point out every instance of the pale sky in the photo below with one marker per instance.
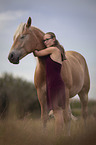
(73, 22)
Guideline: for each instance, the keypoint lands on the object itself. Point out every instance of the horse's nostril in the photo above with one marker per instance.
(11, 56)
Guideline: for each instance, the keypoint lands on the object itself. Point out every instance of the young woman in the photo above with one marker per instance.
(54, 55)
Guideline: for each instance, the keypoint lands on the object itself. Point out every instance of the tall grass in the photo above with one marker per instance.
(30, 132)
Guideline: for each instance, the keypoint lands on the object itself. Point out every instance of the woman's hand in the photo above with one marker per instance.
(35, 53)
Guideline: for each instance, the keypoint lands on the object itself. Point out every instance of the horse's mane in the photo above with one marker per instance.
(19, 30)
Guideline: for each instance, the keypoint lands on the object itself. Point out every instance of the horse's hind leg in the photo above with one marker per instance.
(67, 113)
(83, 94)
(84, 103)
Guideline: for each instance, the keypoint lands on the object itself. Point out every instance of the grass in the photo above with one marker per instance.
(29, 131)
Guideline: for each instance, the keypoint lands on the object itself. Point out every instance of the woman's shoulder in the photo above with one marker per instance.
(54, 48)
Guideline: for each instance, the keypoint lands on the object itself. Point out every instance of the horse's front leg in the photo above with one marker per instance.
(41, 92)
(59, 121)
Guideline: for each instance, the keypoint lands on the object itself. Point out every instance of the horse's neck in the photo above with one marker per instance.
(40, 45)
(39, 35)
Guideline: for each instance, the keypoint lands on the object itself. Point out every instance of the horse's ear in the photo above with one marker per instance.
(28, 22)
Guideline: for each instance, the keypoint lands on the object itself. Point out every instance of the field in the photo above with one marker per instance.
(29, 130)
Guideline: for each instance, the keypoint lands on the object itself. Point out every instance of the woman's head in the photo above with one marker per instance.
(49, 39)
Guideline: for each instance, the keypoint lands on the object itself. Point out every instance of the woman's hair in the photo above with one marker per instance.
(51, 34)
(57, 44)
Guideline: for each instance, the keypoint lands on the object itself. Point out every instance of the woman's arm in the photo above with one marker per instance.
(45, 51)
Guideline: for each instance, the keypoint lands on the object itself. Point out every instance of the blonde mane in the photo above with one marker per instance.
(19, 30)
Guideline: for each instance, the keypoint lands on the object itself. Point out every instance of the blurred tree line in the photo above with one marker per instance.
(17, 96)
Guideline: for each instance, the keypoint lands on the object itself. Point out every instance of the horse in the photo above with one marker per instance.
(74, 73)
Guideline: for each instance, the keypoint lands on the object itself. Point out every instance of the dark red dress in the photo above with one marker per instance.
(55, 84)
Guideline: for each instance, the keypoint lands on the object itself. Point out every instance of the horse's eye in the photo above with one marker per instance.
(22, 36)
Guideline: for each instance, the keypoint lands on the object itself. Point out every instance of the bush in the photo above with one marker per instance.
(18, 93)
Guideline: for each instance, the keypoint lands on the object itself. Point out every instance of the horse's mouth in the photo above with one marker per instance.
(14, 62)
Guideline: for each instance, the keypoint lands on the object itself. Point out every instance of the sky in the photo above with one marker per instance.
(73, 22)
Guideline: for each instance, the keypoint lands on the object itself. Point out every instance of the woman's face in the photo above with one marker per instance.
(48, 40)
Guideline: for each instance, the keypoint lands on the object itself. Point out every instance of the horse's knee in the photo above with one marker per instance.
(67, 115)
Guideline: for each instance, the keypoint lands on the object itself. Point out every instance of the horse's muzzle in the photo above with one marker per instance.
(13, 57)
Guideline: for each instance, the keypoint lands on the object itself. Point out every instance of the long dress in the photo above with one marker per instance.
(55, 85)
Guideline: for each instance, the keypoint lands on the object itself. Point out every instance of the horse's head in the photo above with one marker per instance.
(26, 40)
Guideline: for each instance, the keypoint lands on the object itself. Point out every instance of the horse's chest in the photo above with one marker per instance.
(40, 77)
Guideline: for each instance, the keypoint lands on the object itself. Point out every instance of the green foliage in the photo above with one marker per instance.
(75, 104)
(76, 107)
(20, 94)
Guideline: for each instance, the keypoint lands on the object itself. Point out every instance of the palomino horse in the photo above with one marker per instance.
(74, 72)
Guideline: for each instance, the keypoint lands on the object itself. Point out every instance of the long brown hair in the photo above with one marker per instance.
(57, 44)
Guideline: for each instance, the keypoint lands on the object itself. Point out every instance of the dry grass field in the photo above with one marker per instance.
(29, 131)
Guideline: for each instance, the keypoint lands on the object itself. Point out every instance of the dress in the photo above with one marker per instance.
(55, 85)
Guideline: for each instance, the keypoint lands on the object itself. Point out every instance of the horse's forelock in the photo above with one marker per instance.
(19, 30)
